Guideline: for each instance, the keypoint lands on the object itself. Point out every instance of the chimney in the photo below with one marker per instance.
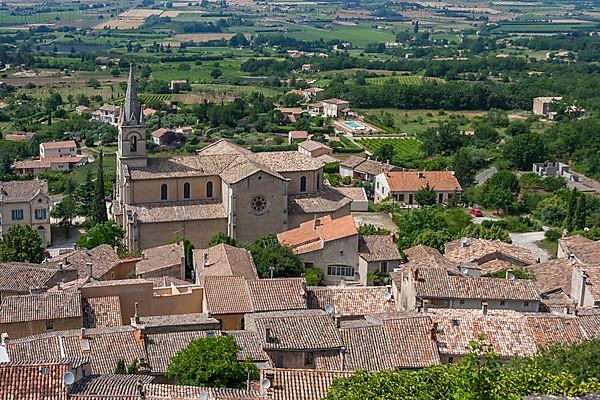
(338, 321)
(45, 262)
(433, 331)
(510, 274)
(61, 285)
(415, 274)
(82, 335)
(425, 306)
(421, 175)
(343, 358)
(135, 320)
(88, 270)
(464, 241)
(584, 277)
(206, 259)
(60, 265)
(116, 250)
(4, 339)
(267, 335)
(484, 307)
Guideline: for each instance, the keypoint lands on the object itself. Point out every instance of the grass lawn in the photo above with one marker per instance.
(359, 35)
(404, 148)
(197, 73)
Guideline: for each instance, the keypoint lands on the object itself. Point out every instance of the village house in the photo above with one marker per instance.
(32, 314)
(423, 287)
(584, 255)
(328, 244)
(335, 108)
(296, 339)
(297, 136)
(176, 84)
(402, 186)
(377, 255)
(542, 106)
(358, 195)
(148, 112)
(54, 156)
(350, 302)
(83, 110)
(24, 278)
(107, 114)
(314, 149)
(363, 169)
(166, 260)
(483, 256)
(291, 114)
(224, 188)
(223, 260)
(553, 281)
(163, 136)
(26, 203)
(19, 136)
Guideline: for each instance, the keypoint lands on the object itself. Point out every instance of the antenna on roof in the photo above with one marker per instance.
(265, 383)
(329, 309)
(387, 295)
(68, 378)
(301, 292)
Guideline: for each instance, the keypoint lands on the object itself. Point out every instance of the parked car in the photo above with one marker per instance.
(476, 212)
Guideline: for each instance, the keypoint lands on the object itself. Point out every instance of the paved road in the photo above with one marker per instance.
(484, 175)
(529, 241)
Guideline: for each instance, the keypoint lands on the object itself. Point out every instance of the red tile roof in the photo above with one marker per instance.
(33, 382)
(311, 235)
(410, 181)
(59, 145)
(300, 384)
(350, 301)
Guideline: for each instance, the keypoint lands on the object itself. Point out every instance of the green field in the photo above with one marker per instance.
(146, 98)
(542, 27)
(359, 35)
(405, 148)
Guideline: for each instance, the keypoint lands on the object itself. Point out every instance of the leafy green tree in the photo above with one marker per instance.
(65, 210)
(481, 232)
(216, 73)
(134, 366)
(517, 128)
(84, 196)
(524, 150)
(498, 198)
(385, 153)
(20, 243)
(239, 39)
(477, 374)
(444, 139)
(211, 361)
(120, 368)
(221, 238)
(269, 254)
(100, 214)
(464, 166)
(411, 223)
(369, 229)
(572, 205)
(504, 179)
(314, 276)
(103, 233)
(426, 196)
(485, 134)
(436, 239)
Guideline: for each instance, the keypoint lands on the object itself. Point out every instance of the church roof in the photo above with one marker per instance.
(178, 211)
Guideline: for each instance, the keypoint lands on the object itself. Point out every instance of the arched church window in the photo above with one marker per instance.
(163, 191)
(133, 143)
(187, 190)
(209, 189)
(303, 184)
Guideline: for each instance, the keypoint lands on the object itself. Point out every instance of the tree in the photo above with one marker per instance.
(20, 243)
(221, 238)
(524, 150)
(120, 368)
(485, 134)
(505, 180)
(211, 361)
(385, 153)
(269, 254)
(100, 214)
(239, 39)
(435, 239)
(426, 196)
(103, 233)
(369, 230)
(444, 139)
(94, 83)
(482, 232)
(498, 198)
(84, 196)
(581, 212)
(464, 167)
(216, 73)
(572, 205)
(65, 210)
(517, 128)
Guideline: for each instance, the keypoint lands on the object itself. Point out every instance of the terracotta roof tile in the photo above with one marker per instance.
(323, 229)
(483, 251)
(178, 211)
(553, 274)
(100, 386)
(22, 191)
(225, 260)
(163, 346)
(37, 307)
(590, 324)
(353, 192)
(585, 250)
(326, 200)
(250, 345)
(99, 312)
(59, 145)
(374, 168)
(411, 181)
(311, 145)
(102, 257)
(277, 294)
(179, 322)
(227, 295)
(21, 277)
(350, 301)
(550, 330)
(160, 258)
(300, 384)
(33, 382)
(378, 248)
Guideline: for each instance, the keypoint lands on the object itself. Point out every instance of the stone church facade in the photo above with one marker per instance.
(223, 188)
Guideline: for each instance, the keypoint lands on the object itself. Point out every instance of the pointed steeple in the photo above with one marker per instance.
(131, 113)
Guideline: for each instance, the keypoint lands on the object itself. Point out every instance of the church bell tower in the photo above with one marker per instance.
(132, 131)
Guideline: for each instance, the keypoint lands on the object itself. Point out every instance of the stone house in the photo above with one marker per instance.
(26, 203)
(314, 149)
(23, 278)
(166, 260)
(403, 185)
(377, 254)
(335, 108)
(362, 169)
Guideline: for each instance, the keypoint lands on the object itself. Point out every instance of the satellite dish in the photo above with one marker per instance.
(387, 295)
(265, 383)
(203, 395)
(301, 292)
(68, 378)
(329, 309)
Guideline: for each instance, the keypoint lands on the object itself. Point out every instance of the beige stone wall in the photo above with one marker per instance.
(22, 329)
(29, 219)
(62, 152)
(297, 359)
(311, 180)
(199, 232)
(337, 252)
(148, 190)
(121, 271)
(128, 296)
(183, 300)
(230, 322)
(250, 225)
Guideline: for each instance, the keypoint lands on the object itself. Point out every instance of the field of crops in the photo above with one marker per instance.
(403, 79)
(539, 27)
(151, 98)
(405, 148)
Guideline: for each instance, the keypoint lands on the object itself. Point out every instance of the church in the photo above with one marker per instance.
(223, 188)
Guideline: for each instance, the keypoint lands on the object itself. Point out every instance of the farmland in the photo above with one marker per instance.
(404, 148)
(403, 80)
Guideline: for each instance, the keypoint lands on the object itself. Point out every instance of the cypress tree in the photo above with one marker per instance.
(570, 218)
(99, 207)
(581, 212)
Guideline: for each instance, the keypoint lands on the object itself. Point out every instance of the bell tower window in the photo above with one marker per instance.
(209, 189)
(163, 192)
(187, 190)
(133, 144)
(303, 184)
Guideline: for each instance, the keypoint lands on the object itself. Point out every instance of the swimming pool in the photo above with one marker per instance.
(354, 125)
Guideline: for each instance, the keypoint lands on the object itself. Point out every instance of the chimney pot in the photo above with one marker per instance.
(83, 333)
(88, 269)
(206, 259)
(484, 307)
(434, 329)
(425, 306)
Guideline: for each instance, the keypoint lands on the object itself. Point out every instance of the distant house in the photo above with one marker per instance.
(148, 112)
(19, 136)
(335, 108)
(22, 278)
(360, 202)
(177, 84)
(403, 185)
(542, 105)
(297, 136)
(306, 68)
(314, 93)
(359, 168)
(377, 254)
(54, 156)
(83, 110)
(583, 254)
(291, 114)
(67, 148)
(107, 114)
(314, 149)
(162, 136)
(167, 260)
(26, 203)
(223, 260)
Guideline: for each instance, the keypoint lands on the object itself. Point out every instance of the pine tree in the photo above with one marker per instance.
(84, 196)
(570, 218)
(99, 206)
(581, 212)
